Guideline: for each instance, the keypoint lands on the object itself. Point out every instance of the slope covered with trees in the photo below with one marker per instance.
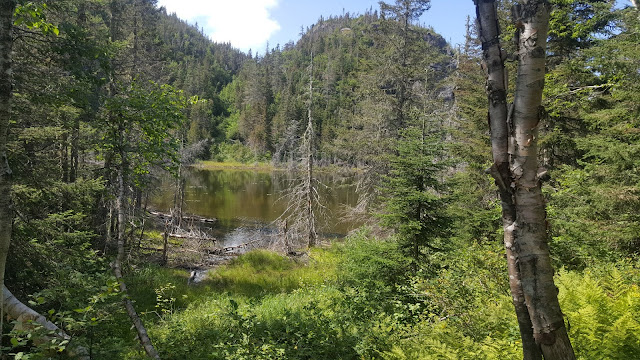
(363, 65)
(105, 95)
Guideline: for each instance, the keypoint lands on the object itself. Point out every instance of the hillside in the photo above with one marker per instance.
(498, 185)
(354, 64)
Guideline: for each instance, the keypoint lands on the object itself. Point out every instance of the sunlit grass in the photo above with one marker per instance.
(216, 165)
(254, 274)
(262, 272)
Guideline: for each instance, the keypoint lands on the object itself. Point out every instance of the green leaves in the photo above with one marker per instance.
(143, 124)
(33, 16)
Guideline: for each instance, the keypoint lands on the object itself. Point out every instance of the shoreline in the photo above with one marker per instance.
(264, 167)
(216, 165)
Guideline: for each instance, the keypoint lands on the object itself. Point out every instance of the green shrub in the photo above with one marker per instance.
(372, 264)
(355, 301)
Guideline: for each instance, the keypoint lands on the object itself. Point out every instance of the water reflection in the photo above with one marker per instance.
(246, 202)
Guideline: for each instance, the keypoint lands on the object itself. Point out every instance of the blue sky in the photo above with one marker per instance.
(250, 24)
(448, 17)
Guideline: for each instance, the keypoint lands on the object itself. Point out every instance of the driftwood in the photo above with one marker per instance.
(241, 246)
(194, 218)
(190, 236)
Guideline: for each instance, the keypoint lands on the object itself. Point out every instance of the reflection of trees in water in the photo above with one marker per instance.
(232, 194)
(195, 180)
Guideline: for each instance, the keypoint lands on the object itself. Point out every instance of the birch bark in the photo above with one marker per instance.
(498, 114)
(530, 227)
(514, 134)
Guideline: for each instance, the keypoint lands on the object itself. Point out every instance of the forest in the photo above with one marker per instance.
(496, 185)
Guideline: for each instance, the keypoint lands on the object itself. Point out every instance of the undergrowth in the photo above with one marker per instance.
(353, 301)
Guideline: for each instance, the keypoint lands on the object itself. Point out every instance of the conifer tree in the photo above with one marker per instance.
(415, 192)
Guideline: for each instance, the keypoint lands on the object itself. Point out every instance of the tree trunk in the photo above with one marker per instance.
(530, 227)
(497, 94)
(75, 135)
(309, 180)
(7, 8)
(15, 309)
(25, 315)
(515, 169)
(117, 269)
(168, 228)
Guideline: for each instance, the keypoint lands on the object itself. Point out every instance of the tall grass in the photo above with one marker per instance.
(348, 302)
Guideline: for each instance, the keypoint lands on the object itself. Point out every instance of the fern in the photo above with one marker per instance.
(602, 308)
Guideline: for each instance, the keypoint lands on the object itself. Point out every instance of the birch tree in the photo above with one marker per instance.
(514, 133)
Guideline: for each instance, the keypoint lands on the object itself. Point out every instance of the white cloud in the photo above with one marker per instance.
(244, 23)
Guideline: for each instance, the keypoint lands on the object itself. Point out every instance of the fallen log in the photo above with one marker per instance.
(26, 317)
(195, 218)
(240, 246)
(190, 236)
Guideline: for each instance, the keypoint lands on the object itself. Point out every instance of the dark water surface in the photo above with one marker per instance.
(246, 202)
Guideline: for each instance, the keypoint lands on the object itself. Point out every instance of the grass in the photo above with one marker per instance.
(266, 306)
(262, 272)
(216, 165)
(260, 281)
(252, 275)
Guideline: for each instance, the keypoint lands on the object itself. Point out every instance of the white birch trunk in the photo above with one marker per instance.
(26, 316)
(498, 114)
(524, 215)
(530, 227)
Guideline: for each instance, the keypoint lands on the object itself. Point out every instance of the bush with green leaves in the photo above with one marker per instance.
(355, 300)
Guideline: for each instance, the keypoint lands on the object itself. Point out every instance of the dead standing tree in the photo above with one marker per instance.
(300, 217)
(514, 133)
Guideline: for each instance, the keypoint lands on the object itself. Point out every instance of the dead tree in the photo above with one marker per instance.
(303, 201)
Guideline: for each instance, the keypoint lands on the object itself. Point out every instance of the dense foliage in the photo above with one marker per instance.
(119, 90)
(356, 300)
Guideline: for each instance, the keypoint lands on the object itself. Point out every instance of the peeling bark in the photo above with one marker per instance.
(514, 135)
(530, 227)
(498, 116)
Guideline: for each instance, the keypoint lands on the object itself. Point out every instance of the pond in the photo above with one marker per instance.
(246, 202)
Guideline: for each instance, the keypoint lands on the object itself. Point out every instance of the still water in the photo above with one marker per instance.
(246, 202)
